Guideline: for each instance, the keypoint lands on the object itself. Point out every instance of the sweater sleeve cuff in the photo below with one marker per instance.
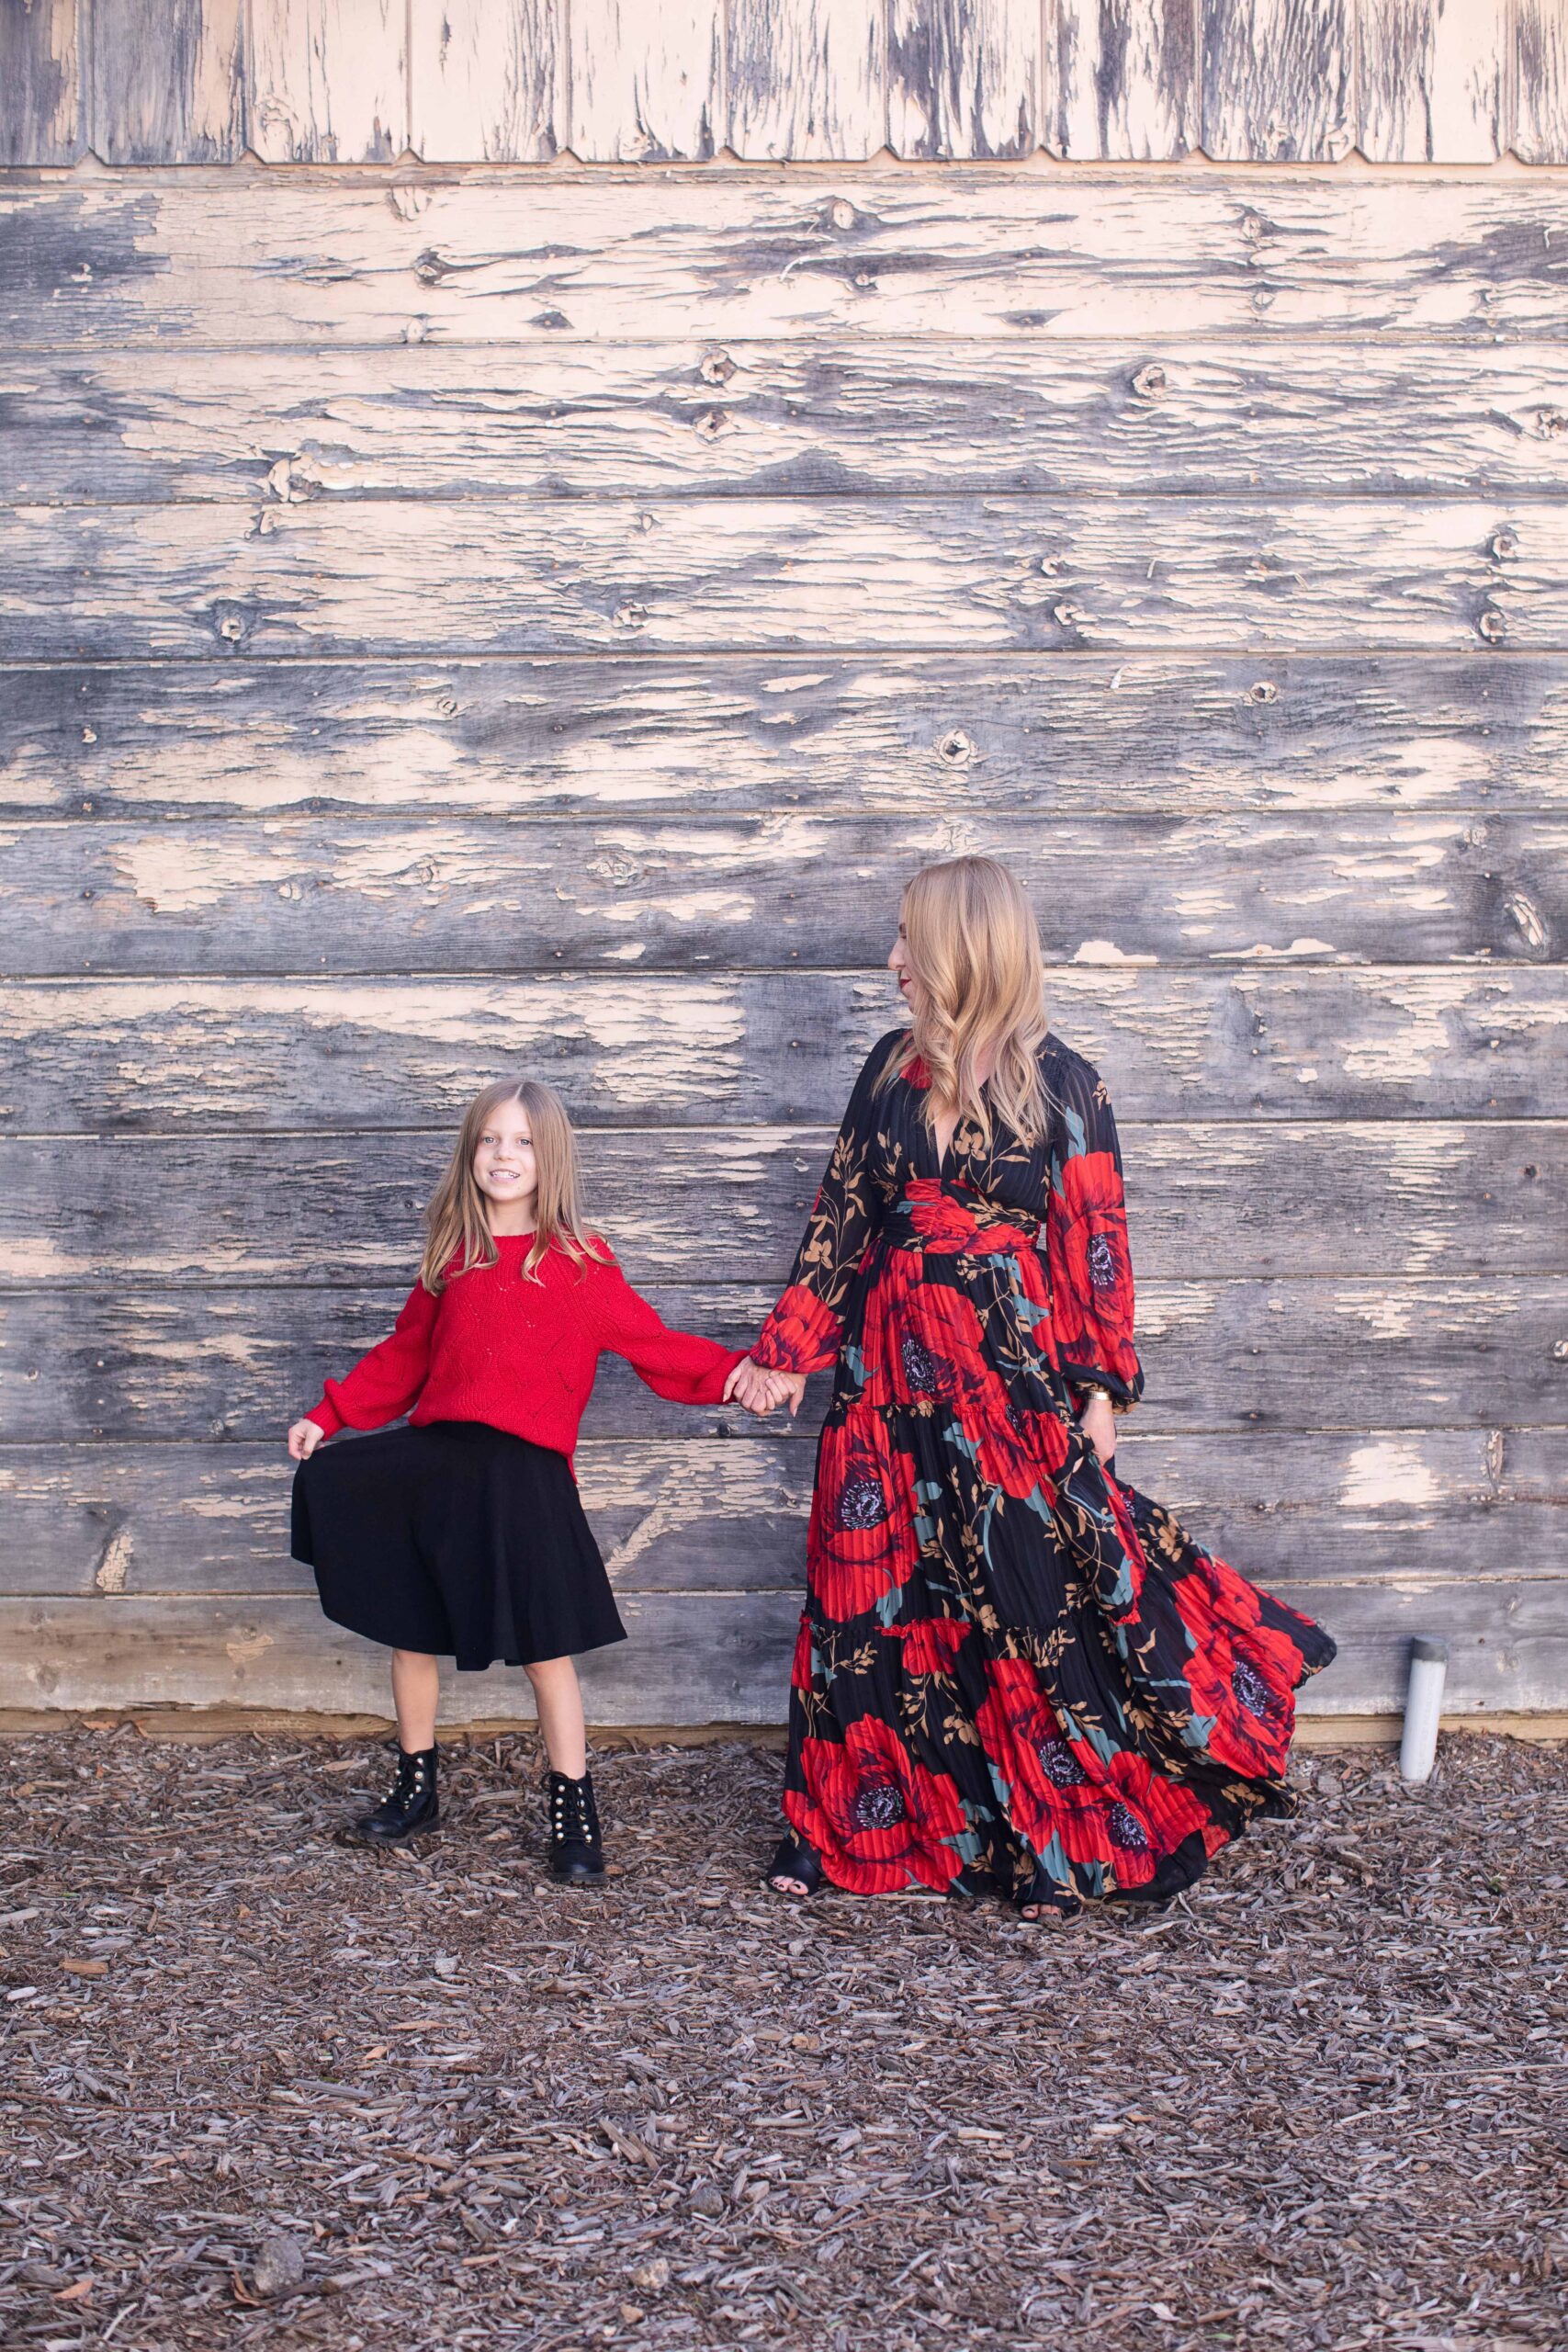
(327, 1418)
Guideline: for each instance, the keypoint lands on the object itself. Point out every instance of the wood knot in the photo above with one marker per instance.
(1262, 300)
(711, 423)
(716, 367)
(955, 749)
(1491, 626)
(430, 268)
(630, 616)
(1252, 228)
(1150, 383)
(446, 706)
(231, 621)
(841, 212)
(408, 203)
(1504, 544)
(1263, 690)
(1550, 423)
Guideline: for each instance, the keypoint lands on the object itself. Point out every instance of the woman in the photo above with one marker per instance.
(1014, 1671)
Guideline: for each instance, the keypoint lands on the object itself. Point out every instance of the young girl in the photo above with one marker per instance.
(461, 1535)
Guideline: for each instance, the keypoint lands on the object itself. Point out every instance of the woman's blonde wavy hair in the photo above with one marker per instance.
(972, 947)
(456, 1222)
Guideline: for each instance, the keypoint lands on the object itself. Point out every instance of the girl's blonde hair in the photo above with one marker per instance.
(456, 1224)
(972, 946)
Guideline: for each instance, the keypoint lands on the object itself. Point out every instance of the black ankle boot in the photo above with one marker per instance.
(576, 1848)
(410, 1806)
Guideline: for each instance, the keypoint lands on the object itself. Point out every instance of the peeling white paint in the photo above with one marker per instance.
(1388, 1472)
(1106, 952)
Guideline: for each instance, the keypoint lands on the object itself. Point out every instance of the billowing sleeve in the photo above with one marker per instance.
(386, 1382)
(1085, 1230)
(803, 1332)
(681, 1365)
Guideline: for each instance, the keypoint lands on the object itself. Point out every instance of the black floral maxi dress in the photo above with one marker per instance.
(1009, 1662)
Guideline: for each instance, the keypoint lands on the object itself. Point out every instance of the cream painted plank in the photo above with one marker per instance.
(647, 82)
(702, 1658)
(241, 262)
(1337, 1353)
(1278, 79)
(962, 78)
(487, 81)
(40, 82)
(327, 81)
(891, 417)
(691, 1049)
(1125, 80)
(806, 80)
(927, 737)
(694, 1514)
(707, 1657)
(784, 575)
(1432, 80)
(1237, 1197)
(323, 894)
(168, 82)
(1540, 103)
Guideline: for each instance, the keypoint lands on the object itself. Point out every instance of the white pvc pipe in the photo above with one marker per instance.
(1423, 1707)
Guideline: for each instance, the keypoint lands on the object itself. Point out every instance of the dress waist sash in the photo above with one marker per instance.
(953, 1219)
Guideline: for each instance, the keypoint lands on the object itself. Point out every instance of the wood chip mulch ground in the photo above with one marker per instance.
(258, 2089)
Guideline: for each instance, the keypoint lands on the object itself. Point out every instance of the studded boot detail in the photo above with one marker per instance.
(576, 1848)
(410, 1806)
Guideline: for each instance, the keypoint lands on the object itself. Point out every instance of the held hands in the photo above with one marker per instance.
(304, 1437)
(753, 1385)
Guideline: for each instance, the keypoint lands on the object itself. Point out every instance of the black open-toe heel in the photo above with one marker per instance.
(794, 1858)
(1045, 1899)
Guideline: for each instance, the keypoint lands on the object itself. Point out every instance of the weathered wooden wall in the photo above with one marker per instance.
(523, 619)
(776, 81)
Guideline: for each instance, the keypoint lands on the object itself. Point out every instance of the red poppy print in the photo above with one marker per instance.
(967, 1556)
(878, 1817)
(861, 1538)
(930, 1645)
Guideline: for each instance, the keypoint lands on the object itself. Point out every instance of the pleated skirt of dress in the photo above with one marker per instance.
(456, 1538)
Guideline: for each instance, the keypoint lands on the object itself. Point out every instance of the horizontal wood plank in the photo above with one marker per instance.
(697, 1513)
(782, 575)
(1334, 1352)
(970, 252)
(325, 894)
(684, 1049)
(702, 1657)
(830, 416)
(926, 736)
(1388, 1196)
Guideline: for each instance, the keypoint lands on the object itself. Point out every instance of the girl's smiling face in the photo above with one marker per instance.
(504, 1168)
(899, 964)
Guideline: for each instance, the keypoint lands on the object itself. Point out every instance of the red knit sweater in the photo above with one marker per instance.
(520, 1354)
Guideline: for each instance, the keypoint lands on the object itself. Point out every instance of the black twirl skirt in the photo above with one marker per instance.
(456, 1539)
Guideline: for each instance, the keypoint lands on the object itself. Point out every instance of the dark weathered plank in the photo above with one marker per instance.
(1541, 92)
(699, 1658)
(1278, 80)
(1337, 1353)
(806, 79)
(327, 81)
(785, 575)
(697, 1513)
(647, 82)
(1387, 1197)
(1432, 80)
(707, 1657)
(935, 736)
(687, 1049)
(167, 82)
(878, 418)
(331, 894)
(1122, 80)
(40, 82)
(962, 78)
(971, 253)
(487, 81)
